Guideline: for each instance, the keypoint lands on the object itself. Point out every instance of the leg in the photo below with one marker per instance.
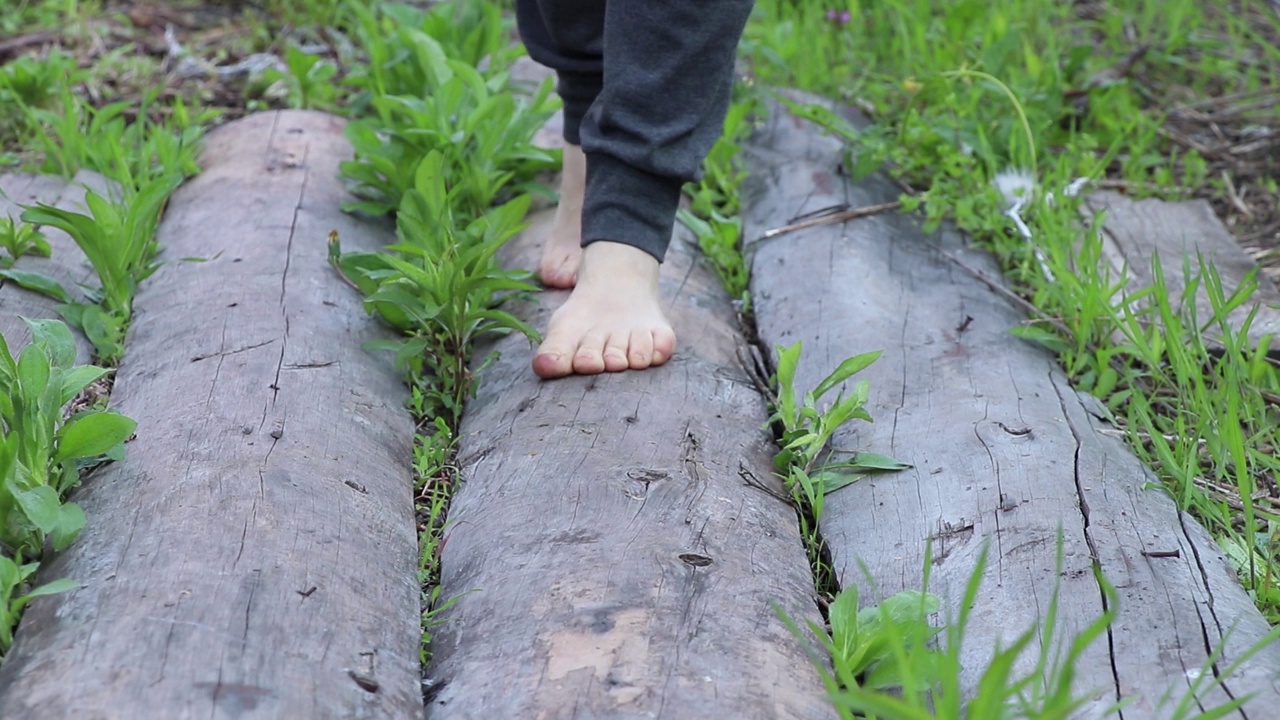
(668, 71)
(568, 37)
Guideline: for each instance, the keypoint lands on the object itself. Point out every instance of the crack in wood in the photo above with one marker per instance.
(225, 353)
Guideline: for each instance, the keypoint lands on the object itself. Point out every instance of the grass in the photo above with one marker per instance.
(446, 147)
(49, 435)
(960, 93)
(454, 169)
(41, 454)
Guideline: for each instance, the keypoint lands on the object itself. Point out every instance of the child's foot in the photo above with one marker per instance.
(613, 321)
(562, 251)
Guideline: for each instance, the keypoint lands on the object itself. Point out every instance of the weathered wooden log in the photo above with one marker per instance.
(1003, 451)
(66, 264)
(1136, 231)
(255, 555)
(607, 554)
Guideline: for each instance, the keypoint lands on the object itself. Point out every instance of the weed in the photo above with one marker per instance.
(119, 241)
(441, 286)
(715, 203)
(885, 663)
(15, 593)
(482, 133)
(441, 142)
(307, 78)
(422, 99)
(962, 92)
(806, 431)
(18, 239)
(133, 154)
(41, 453)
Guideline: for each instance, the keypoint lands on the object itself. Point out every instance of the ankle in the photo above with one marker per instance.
(609, 262)
(573, 174)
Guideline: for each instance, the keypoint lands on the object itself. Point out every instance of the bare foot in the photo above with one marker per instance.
(562, 250)
(613, 321)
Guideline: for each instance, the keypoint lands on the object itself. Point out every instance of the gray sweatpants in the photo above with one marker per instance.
(645, 85)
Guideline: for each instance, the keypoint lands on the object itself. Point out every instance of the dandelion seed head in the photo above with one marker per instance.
(1015, 184)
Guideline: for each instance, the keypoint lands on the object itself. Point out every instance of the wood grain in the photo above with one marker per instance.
(1004, 454)
(607, 555)
(255, 555)
(66, 263)
(1136, 231)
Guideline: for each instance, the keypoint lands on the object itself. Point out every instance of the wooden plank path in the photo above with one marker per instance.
(608, 558)
(1003, 450)
(255, 555)
(1135, 231)
(66, 263)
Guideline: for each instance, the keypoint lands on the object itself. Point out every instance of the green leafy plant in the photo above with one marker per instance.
(959, 93)
(886, 665)
(712, 215)
(118, 238)
(862, 640)
(480, 130)
(18, 239)
(41, 453)
(806, 430)
(422, 100)
(720, 239)
(441, 141)
(15, 593)
(400, 63)
(308, 78)
(441, 284)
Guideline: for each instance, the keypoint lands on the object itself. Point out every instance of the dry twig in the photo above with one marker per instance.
(837, 217)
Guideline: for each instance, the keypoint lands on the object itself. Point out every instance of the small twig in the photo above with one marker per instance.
(1184, 139)
(14, 45)
(834, 218)
(1234, 196)
(1258, 235)
(1144, 436)
(1162, 553)
(1226, 100)
(1248, 147)
(1130, 185)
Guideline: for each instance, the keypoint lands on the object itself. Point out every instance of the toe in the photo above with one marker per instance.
(558, 272)
(589, 358)
(552, 362)
(640, 350)
(664, 345)
(554, 357)
(615, 352)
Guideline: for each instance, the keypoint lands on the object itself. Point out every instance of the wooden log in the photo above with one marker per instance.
(1003, 451)
(1135, 231)
(66, 263)
(255, 555)
(607, 555)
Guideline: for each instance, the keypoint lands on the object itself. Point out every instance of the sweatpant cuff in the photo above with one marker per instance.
(627, 205)
(577, 91)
